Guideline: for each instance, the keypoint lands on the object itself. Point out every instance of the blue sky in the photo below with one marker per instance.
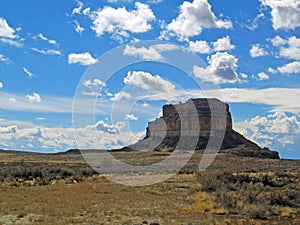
(51, 51)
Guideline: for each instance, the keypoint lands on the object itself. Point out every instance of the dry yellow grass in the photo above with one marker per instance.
(178, 200)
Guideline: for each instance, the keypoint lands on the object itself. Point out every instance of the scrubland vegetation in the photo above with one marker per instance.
(63, 189)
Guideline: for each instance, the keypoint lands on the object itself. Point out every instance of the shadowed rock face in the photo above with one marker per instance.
(198, 124)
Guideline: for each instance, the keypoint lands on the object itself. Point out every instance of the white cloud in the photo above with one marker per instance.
(292, 50)
(47, 51)
(81, 58)
(293, 67)
(221, 69)
(193, 18)
(94, 84)
(86, 11)
(5, 30)
(42, 37)
(40, 118)
(262, 76)
(151, 53)
(120, 21)
(257, 51)
(155, 1)
(267, 130)
(8, 130)
(11, 42)
(57, 138)
(278, 41)
(79, 29)
(244, 76)
(271, 70)
(201, 47)
(130, 117)
(143, 52)
(35, 97)
(281, 99)
(165, 47)
(3, 58)
(285, 13)
(288, 48)
(121, 95)
(1, 85)
(57, 104)
(111, 129)
(12, 100)
(252, 25)
(147, 81)
(78, 9)
(91, 93)
(223, 44)
(28, 73)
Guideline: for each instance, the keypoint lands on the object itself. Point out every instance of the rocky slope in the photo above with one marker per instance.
(198, 124)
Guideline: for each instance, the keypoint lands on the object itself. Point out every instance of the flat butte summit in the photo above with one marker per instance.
(198, 124)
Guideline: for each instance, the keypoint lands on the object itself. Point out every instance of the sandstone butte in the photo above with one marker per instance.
(198, 124)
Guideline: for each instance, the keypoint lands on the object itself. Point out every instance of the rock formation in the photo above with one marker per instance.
(198, 124)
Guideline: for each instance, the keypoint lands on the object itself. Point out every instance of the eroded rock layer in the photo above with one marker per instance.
(198, 124)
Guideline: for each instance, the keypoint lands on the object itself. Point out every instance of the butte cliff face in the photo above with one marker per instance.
(198, 124)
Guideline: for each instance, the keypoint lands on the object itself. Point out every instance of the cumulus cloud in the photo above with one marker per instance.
(152, 52)
(278, 41)
(145, 53)
(244, 76)
(121, 95)
(267, 130)
(221, 69)
(28, 73)
(1, 85)
(81, 58)
(293, 67)
(257, 51)
(288, 48)
(292, 50)
(94, 84)
(262, 76)
(60, 139)
(7, 34)
(35, 97)
(130, 117)
(201, 47)
(47, 51)
(86, 11)
(147, 81)
(120, 21)
(223, 44)
(193, 18)
(111, 129)
(285, 13)
(5, 30)
(8, 130)
(271, 70)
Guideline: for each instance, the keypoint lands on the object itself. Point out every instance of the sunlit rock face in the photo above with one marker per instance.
(198, 124)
